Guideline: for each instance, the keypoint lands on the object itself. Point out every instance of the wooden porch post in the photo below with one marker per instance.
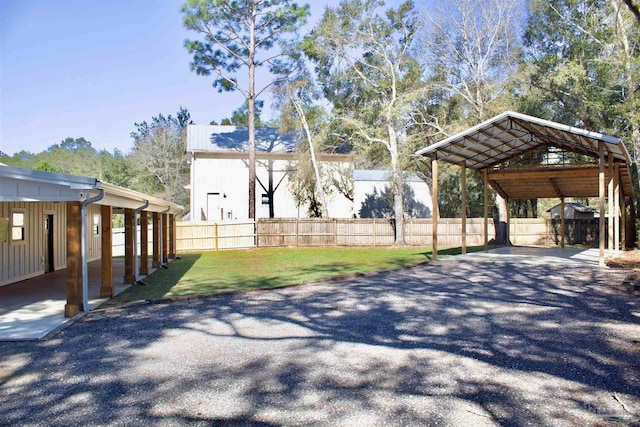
(106, 288)
(486, 210)
(74, 260)
(165, 238)
(610, 198)
(463, 213)
(562, 224)
(507, 202)
(623, 228)
(144, 243)
(155, 263)
(601, 186)
(172, 236)
(434, 203)
(129, 229)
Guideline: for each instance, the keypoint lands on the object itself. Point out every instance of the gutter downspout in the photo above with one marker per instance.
(161, 245)
(136, 261)
(83, 239)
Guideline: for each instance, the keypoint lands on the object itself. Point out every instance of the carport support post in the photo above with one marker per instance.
(463, 213)
(434, 204)
(602, 227)
(74, 259)
(611, 208)
(507, 202)
(106, 287)
(616, 209)
(144, 243)
(562, 222)
(129, 229)
(155, 263)
(486, 209)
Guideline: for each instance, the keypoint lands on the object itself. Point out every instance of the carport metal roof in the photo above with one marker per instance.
(509, 135)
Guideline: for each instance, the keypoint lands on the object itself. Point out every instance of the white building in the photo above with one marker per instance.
(372, 197)
(220, 174)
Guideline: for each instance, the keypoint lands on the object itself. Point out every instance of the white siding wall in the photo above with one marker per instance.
(230, 177)
(22, 260)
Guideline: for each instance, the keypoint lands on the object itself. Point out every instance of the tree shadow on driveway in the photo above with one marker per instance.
(456, 342)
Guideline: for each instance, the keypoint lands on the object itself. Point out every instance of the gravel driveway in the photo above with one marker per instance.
(463, 341)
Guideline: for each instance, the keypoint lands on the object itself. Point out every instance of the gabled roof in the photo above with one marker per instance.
(27, 185)
(509, 135)
(202, 138)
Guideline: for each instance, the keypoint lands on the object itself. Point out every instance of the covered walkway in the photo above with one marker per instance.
(33, 308)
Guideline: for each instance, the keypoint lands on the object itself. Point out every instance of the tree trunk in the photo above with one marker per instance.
(251, 107)
(314, 162)
(501, 228)
(397, 182)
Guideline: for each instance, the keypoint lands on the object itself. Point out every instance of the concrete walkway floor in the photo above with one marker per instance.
(32, 308)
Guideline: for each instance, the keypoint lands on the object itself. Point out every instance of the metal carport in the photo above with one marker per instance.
(495, 147)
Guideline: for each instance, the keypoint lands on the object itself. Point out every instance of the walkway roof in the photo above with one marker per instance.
(26, 185)
(509, 135)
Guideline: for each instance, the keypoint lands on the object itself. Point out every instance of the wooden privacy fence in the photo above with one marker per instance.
(279, 232)
(211, 236)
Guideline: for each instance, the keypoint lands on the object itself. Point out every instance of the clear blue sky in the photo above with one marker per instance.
(92, 68)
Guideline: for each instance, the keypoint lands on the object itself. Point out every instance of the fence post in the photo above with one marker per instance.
(335, 231)
(297, 231)
(215, 234)
(374, 231)
(410, 222)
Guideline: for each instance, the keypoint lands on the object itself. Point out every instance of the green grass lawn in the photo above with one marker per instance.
(212, 272)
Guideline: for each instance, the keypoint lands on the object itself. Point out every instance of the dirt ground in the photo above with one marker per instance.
(629, 260)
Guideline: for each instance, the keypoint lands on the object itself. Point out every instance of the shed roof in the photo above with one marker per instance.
(380, 175)
(509, 135)
(578, 207)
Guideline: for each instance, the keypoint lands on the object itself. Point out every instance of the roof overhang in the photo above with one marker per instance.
(509, 135)
(26, 185)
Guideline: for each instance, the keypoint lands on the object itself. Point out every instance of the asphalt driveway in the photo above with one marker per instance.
(465, 341)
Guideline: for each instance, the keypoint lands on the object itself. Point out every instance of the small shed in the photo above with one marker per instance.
(572, 211)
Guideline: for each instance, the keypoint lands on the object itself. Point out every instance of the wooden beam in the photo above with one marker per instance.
(106, 287)
(434, 203)
(610, 199)
(518, 175)
(129, 229)
(601, 194)
(172, 236)
(562, 223)
(165, 238)
(463, 211)
(155, 263)
(556, 187)
(144, 243)
(74, 259)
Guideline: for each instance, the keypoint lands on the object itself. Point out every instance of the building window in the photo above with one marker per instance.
(265, 199)
(17, 226)
(96, 225)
